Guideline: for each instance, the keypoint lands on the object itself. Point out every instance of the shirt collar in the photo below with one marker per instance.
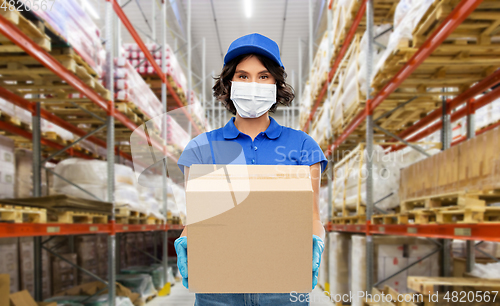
(273, 131)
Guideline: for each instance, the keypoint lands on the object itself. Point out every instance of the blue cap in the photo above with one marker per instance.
(254, 43)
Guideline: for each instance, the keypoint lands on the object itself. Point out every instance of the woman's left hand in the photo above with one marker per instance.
(318, 247)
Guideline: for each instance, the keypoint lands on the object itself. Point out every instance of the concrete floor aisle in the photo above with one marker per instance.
(180, 296)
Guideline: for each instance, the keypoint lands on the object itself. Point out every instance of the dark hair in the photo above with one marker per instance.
(222, 88)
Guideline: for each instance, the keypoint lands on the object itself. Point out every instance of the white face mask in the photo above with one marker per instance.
(252, 100)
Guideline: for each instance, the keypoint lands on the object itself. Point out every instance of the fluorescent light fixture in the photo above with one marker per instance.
(247, 7)
(89, 9)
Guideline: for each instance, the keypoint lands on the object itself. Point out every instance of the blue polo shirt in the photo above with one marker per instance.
(277, 145)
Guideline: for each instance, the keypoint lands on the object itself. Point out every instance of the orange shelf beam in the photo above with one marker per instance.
(480, 231)
(61, 229)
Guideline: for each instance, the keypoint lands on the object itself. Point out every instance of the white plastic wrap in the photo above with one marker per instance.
(138, 283)
(358, 268)
(338, 261)
(92, 176)
(489, 270)
(305, 104)
(386, 178)
(133, 54)
(323, 205)
(407, 16)
(131, 87)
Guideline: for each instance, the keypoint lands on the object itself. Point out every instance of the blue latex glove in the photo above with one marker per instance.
(180, 245)
(318, 247)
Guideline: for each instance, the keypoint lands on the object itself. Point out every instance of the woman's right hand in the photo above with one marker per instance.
(180, 245)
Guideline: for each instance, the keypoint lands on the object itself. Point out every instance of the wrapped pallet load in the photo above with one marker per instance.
(351, 172)
(305, 104)
(91, 175)
(69, 20)
(133, 53)
(406, 17)
(132, 89)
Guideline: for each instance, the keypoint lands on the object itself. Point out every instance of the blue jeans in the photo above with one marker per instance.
(246, 299)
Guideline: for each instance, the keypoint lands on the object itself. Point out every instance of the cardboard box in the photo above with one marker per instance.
(249, 228)
(22, 298)
(27, 264)
(23, 185)
(9, 262)
(459, 249)
(46, 274)
(64, 276)
(86, 249)
(7, 167)
(470, 165)
(102, 255)
(4, 289)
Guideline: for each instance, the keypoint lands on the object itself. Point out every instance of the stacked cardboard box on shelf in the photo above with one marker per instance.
(123, 251)
(23, 183)
(27, 264)
(64, 275)
(102, 255)
(9, 263)
(26, 268)
(86, 249)
(7, 167)
(471, 165)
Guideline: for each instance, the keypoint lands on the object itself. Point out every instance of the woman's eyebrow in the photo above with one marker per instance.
(241, 71)
(264, 71)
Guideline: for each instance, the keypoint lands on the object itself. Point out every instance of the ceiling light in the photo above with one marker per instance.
(247, 7)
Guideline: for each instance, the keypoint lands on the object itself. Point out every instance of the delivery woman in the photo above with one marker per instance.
(252, 84)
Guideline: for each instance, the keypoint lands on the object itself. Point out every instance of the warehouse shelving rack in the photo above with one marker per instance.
(468, 232)
(56, 229)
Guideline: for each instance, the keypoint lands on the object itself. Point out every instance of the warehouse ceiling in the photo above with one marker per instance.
(222, 21)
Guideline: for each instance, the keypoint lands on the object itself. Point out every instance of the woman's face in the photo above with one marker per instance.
(252, 70)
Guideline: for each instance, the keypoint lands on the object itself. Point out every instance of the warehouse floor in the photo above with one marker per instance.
(180, 296)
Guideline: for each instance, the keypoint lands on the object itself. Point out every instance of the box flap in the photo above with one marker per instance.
(249, 177)
(22, 298)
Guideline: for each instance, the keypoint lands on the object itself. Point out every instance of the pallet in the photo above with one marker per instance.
(426, 285)
(154, 220)
(79, 217)
(479, 26)
(393, 294)
(469, 215)
(54, 137)
(68, 52)
(33, 29)
(20, 214)
(30, 74)
(127, 216)
(458, 199)
(392, 218)
(8, 118)
(358, 219)
(131, 111)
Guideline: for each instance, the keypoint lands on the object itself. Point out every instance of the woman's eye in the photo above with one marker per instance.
(264, 77)
(243, 76)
